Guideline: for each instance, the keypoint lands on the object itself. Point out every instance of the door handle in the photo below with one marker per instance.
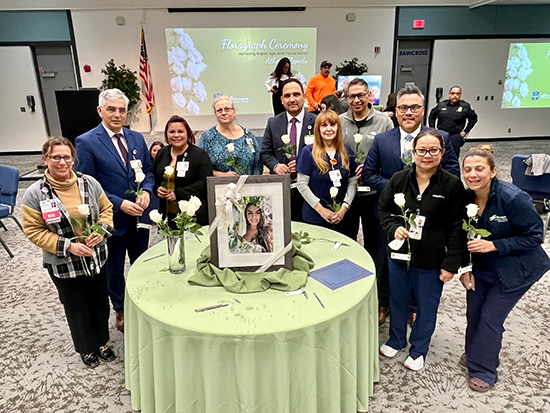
(31, 103)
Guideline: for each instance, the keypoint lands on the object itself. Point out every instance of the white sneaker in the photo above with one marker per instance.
(414, 364)
(388, 351)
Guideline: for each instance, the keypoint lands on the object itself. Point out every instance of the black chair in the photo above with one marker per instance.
(9, 185)
(536, 186)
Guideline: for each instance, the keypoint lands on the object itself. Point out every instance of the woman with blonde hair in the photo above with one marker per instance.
(324, 177)
(233, 150)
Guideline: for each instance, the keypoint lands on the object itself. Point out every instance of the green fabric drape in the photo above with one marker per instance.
(208, 275)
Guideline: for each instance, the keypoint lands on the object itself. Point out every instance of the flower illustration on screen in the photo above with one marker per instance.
(518, 68)
(185, 65)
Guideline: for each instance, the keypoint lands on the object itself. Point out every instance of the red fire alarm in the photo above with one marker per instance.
(87, 68)
(418, 24)
(376, 49)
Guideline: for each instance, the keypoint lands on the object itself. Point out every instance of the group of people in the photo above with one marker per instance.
(412, 221)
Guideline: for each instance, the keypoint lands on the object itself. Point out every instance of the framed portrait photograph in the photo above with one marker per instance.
(254, 225)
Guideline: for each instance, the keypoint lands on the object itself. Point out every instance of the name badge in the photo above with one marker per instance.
(335, 175)
(182, 168)
(250, 144)
(135, 164)
(400, 257)
(416, 231)
(308, 139)
(50, 211)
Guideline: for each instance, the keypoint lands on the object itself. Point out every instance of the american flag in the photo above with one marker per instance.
(145, 75)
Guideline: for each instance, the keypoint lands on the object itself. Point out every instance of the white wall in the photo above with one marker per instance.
(478, 66)
(99, 38)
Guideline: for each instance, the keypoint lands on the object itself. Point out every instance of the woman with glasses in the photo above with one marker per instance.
(180, 171)
(426, 249)
(233, 149)
(326, 177)
(57, 213)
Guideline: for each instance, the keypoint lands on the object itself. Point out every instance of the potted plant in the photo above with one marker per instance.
(121, 78)
(351, 67)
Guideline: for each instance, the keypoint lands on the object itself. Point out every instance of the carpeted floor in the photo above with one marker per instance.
(41, 373)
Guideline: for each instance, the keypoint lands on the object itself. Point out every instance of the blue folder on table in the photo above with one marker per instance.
(339, 274)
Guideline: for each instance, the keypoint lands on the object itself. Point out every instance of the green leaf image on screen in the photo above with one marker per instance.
(204, 63)
(526, 84)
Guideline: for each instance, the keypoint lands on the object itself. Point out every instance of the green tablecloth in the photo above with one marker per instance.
(270, 352)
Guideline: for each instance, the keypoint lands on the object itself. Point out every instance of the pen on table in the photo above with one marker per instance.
(212, 307)
(156, 256)
(318, 299)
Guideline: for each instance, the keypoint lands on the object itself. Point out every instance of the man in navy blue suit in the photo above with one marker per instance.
(115, 155)
(293, 99)
(384, 158)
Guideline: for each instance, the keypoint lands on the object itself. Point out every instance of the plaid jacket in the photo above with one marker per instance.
(62, 263)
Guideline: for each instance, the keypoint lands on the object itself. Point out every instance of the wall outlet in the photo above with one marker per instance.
(509, 130)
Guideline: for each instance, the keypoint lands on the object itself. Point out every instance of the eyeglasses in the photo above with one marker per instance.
(431, 151)
(226, 109)
(413, 108)
(57, 158)
(359, 96)
(112, 109)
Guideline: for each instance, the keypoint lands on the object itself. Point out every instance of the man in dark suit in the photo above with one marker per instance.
(115, 156)
(297, 124)
(388, 155)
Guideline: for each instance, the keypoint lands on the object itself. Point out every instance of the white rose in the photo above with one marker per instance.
(178, 67)
(179, 99)
(155, 216)
(179, 54)
(195, 202)
(286, 139)
(140, 177)
(183, 205)
(399, 199)
(357, 138)
(193, 108)
(176, 84)
(84, 210)
(194, 55)
(200, 91)
(408, 146)
(333, 192)
(230, 147)
(191, 210)
(471, 210)
(168, 170)
(231, 187)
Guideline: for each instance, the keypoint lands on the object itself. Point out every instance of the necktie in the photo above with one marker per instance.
(407, 153)
(122, 148)
(293, 135)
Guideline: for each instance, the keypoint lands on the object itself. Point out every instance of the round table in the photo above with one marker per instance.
(264, 352)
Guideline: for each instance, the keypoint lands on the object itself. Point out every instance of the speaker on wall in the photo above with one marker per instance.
(77, 111)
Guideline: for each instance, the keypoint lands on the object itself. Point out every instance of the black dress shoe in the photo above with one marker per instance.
(90, 360)
(105, 353)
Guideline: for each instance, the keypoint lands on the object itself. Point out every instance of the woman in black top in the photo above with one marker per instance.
(180, 170)
(437, 243)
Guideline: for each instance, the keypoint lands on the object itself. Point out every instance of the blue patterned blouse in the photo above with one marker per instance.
(247, 152)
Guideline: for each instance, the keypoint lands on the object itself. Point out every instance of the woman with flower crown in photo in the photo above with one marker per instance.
(68, 216)
(324, 178)
(506, 262)
(180, 170)
(421, 211)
